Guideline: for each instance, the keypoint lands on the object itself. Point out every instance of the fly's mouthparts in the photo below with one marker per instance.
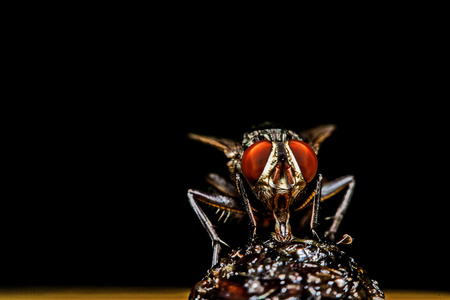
(281, 215)
(283, 229)
(281, 201)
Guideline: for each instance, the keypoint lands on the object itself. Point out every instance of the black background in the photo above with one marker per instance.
(96, 178)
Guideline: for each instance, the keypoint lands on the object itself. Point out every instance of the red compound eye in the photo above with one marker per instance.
(254, 159)
(306, 158)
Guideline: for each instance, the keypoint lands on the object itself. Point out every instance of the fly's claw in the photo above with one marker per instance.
(346, 240)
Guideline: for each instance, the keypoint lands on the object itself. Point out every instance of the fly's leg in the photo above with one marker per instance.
(228, 204)
(315, 209)
(333, 187)
(248, 209)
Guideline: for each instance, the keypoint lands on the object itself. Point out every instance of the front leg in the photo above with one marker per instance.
(330, 189)
(315, 209)
(248, 208)
(225, 203)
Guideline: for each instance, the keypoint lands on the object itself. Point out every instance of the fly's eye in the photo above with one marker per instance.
(254, 159)
(306, 158)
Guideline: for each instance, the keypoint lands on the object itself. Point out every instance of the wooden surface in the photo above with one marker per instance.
(162, 294)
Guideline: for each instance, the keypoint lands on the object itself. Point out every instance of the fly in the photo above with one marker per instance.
(275, 184)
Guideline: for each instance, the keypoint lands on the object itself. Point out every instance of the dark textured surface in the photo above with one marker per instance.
(300, 269)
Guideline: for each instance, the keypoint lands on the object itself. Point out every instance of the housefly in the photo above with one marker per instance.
(275, 185)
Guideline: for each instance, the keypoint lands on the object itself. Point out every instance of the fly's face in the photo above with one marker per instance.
(279, 169)
(278, 165)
